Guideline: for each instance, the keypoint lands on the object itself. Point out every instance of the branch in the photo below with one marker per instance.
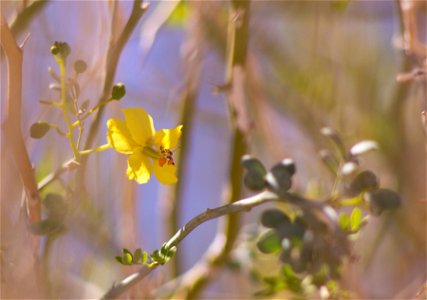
(26, 15)
(113, 55)
(12, 122)
(239, 206)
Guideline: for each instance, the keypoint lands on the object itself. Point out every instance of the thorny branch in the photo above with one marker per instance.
(12, 124)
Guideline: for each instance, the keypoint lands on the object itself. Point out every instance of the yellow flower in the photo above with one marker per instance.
(148, 150)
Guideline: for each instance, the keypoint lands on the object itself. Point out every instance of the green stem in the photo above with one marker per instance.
(98, 149)
(86, 115)
(64, 108)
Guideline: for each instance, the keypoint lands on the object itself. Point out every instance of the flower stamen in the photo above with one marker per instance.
(167, 157)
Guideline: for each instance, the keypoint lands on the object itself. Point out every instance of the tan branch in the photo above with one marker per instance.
(239, 206)
(12, 124)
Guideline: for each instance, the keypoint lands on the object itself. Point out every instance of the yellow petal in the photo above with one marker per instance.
(166, 174)
(168, 138)
(119, 137)
(140, 124)
(139, 167)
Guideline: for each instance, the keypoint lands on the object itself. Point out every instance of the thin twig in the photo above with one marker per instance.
(13, 121)
(239, 206)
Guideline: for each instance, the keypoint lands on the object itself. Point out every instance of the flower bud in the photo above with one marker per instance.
(80, 66)
(279, 178)
(254, 181)
(39, 129)
(253, 164)
(60, 48)
(364, 181)
(119, 91)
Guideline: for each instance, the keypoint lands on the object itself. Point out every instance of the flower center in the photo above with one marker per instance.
(167, 157)
(164, 156)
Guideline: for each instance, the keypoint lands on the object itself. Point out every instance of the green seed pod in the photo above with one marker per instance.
(39, 129)
(119, 91)
(273, 217)
(80, 66)
(382, 199)
(364, 181)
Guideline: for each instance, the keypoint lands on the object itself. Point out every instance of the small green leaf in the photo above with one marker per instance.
(356, 219)
(39, 129)
(269, 242)
(144, 257)
(119, 259)
(127, 257)
(137, 255)
(84, 106)
(344, 221)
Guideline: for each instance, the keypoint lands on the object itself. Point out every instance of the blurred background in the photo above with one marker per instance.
(310, 64)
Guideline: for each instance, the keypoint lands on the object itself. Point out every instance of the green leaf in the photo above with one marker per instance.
(127, 257)
(144, 257)
(356, 219)
(269, 242)
(179, 15)
(344, 221)
(119, 259)
(84, 106)
(137, 255)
